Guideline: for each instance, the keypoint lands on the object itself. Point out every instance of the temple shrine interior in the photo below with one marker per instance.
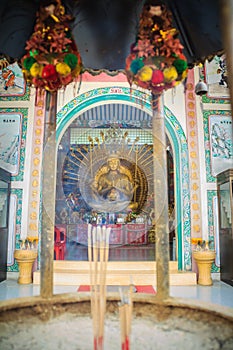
(105, 177)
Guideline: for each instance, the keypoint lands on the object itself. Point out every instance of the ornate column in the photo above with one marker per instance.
(160, 199)
(36, 160)
(194, 160)
(48, 196)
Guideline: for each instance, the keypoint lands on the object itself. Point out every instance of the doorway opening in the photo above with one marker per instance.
(105, 177)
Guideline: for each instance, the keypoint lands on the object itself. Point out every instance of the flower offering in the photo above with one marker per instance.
(52, 60)
(156, 61)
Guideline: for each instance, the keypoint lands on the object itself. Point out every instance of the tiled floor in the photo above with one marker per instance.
(219, 293)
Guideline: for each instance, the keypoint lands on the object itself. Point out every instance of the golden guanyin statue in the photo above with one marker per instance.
(113, 186)
(113, 175)
(112, 181)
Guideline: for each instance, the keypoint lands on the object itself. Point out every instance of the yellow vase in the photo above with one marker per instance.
(25, 259)
(204, 260)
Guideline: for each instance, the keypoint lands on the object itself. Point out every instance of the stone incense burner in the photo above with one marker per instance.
(64, 322)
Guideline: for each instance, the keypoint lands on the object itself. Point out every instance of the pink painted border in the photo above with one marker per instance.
(104, 77)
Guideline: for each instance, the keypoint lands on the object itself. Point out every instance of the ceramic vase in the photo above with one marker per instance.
(25, 259)
(204, 260)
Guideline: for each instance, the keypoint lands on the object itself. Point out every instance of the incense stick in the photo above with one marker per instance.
(122, 325)
(99, 236)
(125, 312)
(95, 291)
(101, 285)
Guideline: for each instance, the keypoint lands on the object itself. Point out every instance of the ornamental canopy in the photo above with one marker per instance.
(104, 30)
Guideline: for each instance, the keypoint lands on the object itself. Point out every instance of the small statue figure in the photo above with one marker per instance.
(64, 215)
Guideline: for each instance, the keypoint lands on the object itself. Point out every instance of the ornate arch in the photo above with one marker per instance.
(175, 133)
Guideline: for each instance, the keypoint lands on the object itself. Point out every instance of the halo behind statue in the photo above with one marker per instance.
(105, 190)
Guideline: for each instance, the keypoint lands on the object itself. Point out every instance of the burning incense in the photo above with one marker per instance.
(125, 312)
(98, 252)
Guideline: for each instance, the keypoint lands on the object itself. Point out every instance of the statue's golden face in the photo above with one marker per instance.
(113, 163)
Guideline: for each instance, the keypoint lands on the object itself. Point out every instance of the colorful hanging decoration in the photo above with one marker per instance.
(156, 61)
(52, 60)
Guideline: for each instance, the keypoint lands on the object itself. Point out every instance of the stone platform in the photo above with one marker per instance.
(118, 273)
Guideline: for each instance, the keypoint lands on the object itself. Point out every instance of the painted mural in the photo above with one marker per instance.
(216, 77)
(221, 147)
(10, 126)
(12, 82)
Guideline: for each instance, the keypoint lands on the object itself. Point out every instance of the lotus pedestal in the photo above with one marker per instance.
(204, 260)
(25, 260)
